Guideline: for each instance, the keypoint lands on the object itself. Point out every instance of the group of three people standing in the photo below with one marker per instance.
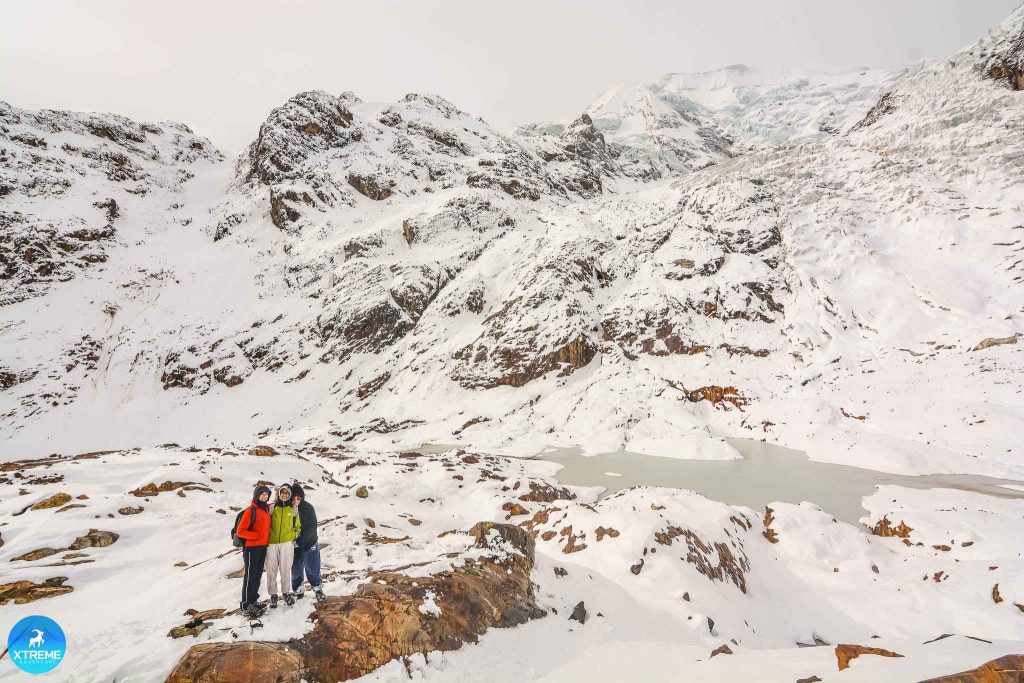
(281, 536)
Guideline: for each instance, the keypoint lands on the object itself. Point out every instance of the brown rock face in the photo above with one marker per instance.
(884, 527)
(370, 186)
(514, 510)
(309, 123)
(36, 554)
(1013, 77)
(94, 539)
(1008, 64)
(714, 560)
(1008, 669)
(545, 493)
(994, 341)
(152, 489)
(717, 396)
(365, 390)
(254, 662)
(356, 634)
(282, 211)
(206, 614)
(56, 500)
(846, 653)
(191, 629)
(263, 451)
(887, 104)
(22, 592)
(516, 366)
(769, 533)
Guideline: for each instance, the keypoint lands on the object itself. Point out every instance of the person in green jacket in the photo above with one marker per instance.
(285, 527)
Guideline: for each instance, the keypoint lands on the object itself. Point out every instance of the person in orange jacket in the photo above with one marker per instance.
(254, 527)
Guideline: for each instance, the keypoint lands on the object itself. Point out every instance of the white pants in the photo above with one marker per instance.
(279, 563)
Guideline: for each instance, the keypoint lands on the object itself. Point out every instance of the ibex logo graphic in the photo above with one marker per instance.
(36, 644)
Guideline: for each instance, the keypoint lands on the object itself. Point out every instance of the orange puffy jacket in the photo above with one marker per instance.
(260, 534)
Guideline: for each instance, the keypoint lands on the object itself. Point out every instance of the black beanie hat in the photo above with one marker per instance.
(297, 491)
(256, 494)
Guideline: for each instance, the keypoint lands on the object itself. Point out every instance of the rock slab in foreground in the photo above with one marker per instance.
(358, 633)
(21, 592)
(1008, 669)
(252, 661)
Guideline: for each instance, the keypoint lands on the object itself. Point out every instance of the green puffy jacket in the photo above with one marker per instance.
(285, 526)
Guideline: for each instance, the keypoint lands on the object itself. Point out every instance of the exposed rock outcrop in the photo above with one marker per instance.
(94, 539)
(579, 613)
(515, 367)
(887, 104)
(884, 527)
(307, 124)
(54, 164)
(153, 489)
(994, 341)
(21, 592)
(34, 555)
(252, 662)
(846, 653)
(382, 620)
(1007, 64)
(56, 500)
(1008, 669)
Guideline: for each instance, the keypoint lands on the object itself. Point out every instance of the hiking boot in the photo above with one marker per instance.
(289, 599)
(253, 611)
(273, 601)
(300, 593)
(319, 590)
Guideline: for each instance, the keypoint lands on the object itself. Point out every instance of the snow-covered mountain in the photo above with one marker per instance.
(830, 262)
(361, 260)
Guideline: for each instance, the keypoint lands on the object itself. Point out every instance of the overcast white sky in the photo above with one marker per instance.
(222, 66)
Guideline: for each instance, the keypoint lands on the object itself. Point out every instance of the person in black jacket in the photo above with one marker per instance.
(307, 548)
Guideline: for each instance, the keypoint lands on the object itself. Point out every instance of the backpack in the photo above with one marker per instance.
(235, 539)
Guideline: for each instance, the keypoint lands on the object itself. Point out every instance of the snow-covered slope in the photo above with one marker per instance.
(829, 262)
(649, 137)
(764, 108)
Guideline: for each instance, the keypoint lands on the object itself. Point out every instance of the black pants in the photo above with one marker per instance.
(254, 558)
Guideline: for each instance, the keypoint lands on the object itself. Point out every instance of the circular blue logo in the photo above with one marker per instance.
(36, 644)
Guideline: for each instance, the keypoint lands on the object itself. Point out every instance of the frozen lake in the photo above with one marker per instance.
(767, 473)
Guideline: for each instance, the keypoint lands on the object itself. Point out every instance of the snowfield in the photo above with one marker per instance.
(391, 299)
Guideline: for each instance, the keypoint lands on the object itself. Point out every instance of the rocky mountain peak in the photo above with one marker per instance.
(1004, 53)
(307, 124)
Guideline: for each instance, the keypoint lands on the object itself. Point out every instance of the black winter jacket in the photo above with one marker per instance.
(307, 519)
